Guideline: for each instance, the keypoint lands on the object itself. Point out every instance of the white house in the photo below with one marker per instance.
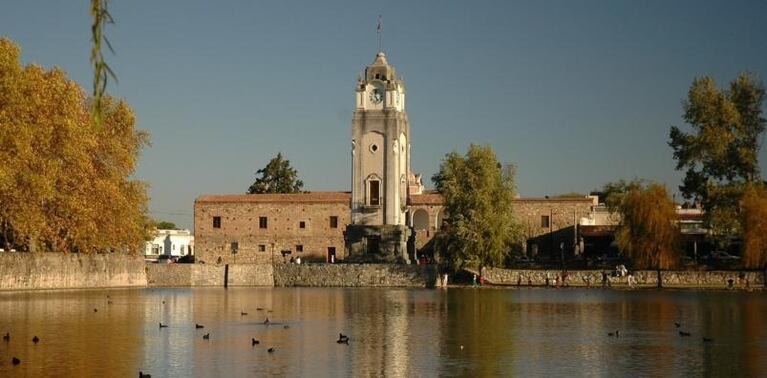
(174, 243)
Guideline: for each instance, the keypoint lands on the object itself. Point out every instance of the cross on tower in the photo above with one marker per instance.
(379, 31)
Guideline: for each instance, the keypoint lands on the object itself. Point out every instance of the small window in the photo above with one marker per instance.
(261, 248)
(333, 221)
(216, 222)
(299, 247)
(301, 224)
(545, 221)
(262, 222)
(173, 247)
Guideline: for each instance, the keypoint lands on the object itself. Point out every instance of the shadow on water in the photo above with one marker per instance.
(393, 332)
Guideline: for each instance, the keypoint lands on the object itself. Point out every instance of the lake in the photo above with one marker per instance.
(393, 332)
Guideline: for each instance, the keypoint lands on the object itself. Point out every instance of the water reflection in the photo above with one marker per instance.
(394, 332)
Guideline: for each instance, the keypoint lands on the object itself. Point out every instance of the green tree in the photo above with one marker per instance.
(611, 194)
(65, 180)
(277, 177)
(754, 223)
(478, 193)
(165, 225)
(647, 232)
(720, 156)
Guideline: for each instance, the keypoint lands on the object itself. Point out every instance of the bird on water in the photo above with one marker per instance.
(141, 374)
(270, 350)
(206, 336)
(267, 321)
(15, 361)
(254, 342)
(617, 333)
(163, 325)
(7, 336)
(35, 339)
(683, 333)
(342, 339)
(198, 326)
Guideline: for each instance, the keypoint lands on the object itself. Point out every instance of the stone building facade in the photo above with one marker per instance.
(312, 225)
(258, 228)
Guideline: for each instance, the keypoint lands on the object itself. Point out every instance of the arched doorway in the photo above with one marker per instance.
(421, 220)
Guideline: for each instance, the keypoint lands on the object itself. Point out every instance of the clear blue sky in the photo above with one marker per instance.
(576, 93)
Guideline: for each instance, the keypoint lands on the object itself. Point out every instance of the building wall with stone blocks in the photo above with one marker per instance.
(536, 216)
(539, 216)
(239, 221)
(264, 225)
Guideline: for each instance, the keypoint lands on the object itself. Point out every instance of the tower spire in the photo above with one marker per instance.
(379, 31)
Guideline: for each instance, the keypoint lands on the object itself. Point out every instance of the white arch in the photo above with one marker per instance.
(421, 220)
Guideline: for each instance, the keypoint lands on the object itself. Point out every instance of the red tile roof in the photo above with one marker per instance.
(311, 197)
(436, 199)
(425, 199)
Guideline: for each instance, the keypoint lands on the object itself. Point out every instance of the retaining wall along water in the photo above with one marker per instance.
(641, 278)
(31, 271)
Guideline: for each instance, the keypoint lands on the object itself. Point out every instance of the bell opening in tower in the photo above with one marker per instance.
(375, 193)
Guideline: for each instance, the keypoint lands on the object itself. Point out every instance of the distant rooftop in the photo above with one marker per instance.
(309, 197)
(428, 198)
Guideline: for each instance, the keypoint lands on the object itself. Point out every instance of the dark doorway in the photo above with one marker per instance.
(331, 254)
(373, 245)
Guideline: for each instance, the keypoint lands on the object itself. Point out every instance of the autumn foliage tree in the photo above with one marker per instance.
(647, 232)
(64, 180)
(754, 225)
(478, 193)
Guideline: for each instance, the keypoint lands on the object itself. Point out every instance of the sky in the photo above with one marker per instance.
(575, 93)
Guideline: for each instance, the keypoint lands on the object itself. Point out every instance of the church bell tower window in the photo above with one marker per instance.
(374, 197)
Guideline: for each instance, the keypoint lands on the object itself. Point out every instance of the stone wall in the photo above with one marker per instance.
(354, 275)
(30, 271)
(251, 275)
(642, 278)
(169, 274)
(207, 275)
(711, 279)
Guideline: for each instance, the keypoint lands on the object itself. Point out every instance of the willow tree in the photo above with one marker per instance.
(478, 194)
(754, 224)
(647, 232)
(64, 180)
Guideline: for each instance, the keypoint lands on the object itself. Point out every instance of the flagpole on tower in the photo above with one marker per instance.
(379, 31)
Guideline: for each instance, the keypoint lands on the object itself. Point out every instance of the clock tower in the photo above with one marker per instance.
(380, 145)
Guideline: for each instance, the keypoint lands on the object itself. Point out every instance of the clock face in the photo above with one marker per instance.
(377, 94)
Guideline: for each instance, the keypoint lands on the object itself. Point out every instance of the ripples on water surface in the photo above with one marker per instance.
(394, 332)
